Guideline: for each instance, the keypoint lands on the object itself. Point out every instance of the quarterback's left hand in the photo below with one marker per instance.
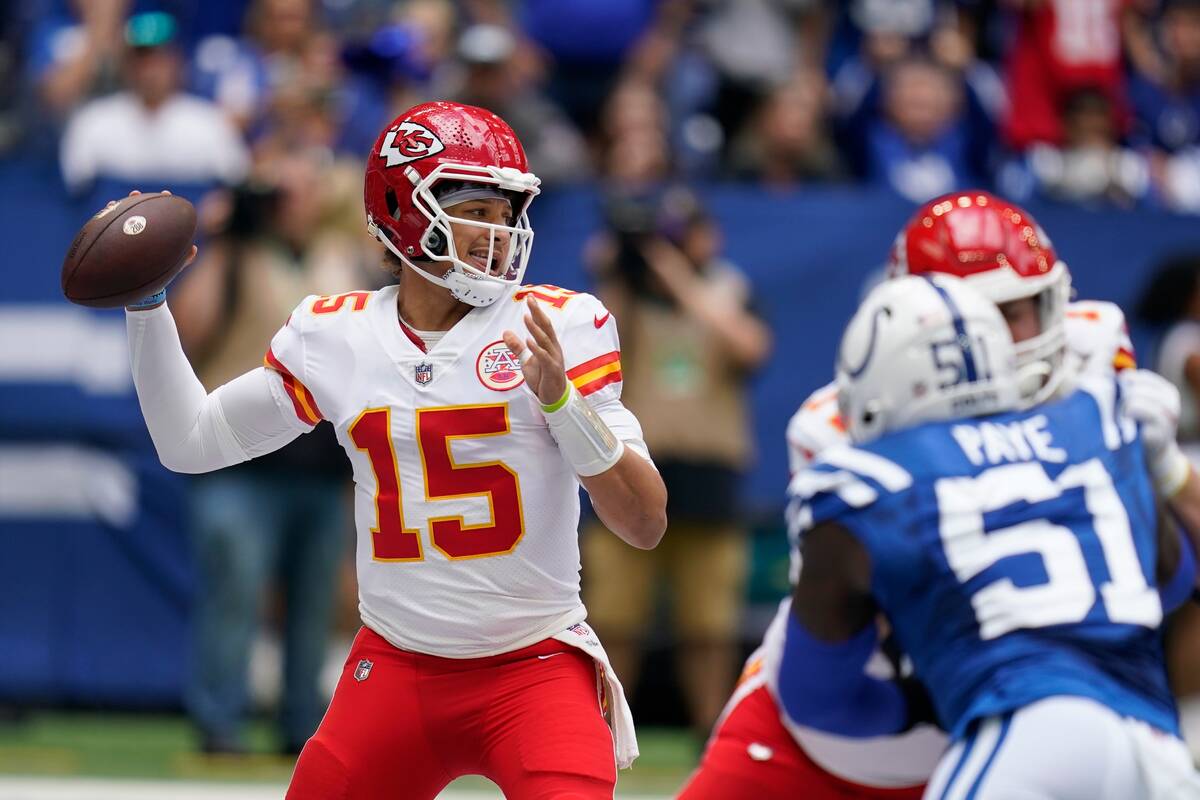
(540, 355)
(1154, 402)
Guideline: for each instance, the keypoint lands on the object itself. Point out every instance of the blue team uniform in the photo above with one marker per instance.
(1014, 555)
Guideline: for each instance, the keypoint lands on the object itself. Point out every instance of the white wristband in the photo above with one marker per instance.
(1170, 471)
(583, 438)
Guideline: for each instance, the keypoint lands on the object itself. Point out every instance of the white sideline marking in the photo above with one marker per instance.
(99, 789)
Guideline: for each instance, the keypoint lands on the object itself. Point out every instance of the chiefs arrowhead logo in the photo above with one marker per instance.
(409, 141)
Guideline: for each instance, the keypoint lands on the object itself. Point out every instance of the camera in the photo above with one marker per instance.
(633, 220)
(254, 207)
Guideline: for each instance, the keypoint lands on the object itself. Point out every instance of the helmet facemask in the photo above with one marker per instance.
(1041, 359)
(507, 262)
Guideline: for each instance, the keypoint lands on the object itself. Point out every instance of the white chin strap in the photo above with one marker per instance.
(478, 292)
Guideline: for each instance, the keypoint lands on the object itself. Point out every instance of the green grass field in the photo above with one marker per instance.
(78, 755)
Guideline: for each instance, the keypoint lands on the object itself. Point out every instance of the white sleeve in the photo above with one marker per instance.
(194, 431)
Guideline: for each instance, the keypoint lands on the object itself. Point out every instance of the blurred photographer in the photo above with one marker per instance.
(690, 339)
(279, 520)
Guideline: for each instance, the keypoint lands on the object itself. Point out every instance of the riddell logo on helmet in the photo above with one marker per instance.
(409, 141)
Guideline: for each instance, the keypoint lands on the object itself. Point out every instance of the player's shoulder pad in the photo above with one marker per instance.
(552, 298)
(587, 333)
(1098, 332)
(286, 356)
(584, 310)
(317, 312)
(286, 352)
(815, 426)
(1097, 312)
(842, 479)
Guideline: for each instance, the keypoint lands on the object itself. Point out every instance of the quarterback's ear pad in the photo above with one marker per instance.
(435, 243)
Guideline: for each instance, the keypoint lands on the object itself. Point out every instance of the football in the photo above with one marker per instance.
(129, 251)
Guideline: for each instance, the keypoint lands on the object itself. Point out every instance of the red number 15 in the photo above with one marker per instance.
(444, 479)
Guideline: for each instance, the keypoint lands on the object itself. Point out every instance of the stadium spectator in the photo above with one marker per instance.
(633, 105)
(786, 142)
(632, 145)
(690, 338)
(151, 131)
(492, 75)
(241, 75)
(866, 36)
(875, 42)
(587, 43)
(435, 22)
(920, 145)
(1058, 48)
(385, 72)
(870, 35)
(1091, 165)
(754, 47)
(1165, 92)
(280, 519)
(76, 53)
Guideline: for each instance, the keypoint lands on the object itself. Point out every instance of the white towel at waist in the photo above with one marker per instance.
(612, 696)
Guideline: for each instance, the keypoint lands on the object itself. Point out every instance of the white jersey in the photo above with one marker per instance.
(467, 514)
(1097, 338)
(1097, 343)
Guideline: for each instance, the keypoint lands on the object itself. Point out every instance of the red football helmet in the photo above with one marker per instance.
(1003, 253)
(448, 152)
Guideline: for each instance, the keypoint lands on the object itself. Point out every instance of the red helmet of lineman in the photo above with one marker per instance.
(1001, 251)
(432, 157)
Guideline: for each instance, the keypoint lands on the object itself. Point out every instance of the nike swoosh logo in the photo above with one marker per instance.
(552, 655)
(599, 321)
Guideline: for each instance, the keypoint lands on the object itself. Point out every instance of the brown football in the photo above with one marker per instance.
(129, 251)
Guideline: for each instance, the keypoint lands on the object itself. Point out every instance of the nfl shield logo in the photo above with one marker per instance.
(363, 670)
(424, 373)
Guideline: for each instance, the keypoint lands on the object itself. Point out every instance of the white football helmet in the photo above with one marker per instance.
(920, 349)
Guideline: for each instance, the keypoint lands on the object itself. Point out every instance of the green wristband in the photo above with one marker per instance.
(560, 402)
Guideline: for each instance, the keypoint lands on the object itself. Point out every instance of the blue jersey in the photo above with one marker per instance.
(1014, 555)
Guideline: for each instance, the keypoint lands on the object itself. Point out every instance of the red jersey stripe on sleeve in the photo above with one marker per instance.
(595, 374)
(596, 384)
(595, 363)
(303, 402)
(1124, 359)
(271, 362)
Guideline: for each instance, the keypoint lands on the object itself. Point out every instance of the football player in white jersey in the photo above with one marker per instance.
(471, 409)
(1001, 251)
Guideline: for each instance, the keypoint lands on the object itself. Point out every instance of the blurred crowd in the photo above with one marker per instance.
(1088, 101)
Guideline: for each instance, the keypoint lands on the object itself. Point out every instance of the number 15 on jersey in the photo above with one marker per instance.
(443, 479)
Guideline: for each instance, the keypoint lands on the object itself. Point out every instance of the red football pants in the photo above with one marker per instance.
(753, 757)
(528, 720)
